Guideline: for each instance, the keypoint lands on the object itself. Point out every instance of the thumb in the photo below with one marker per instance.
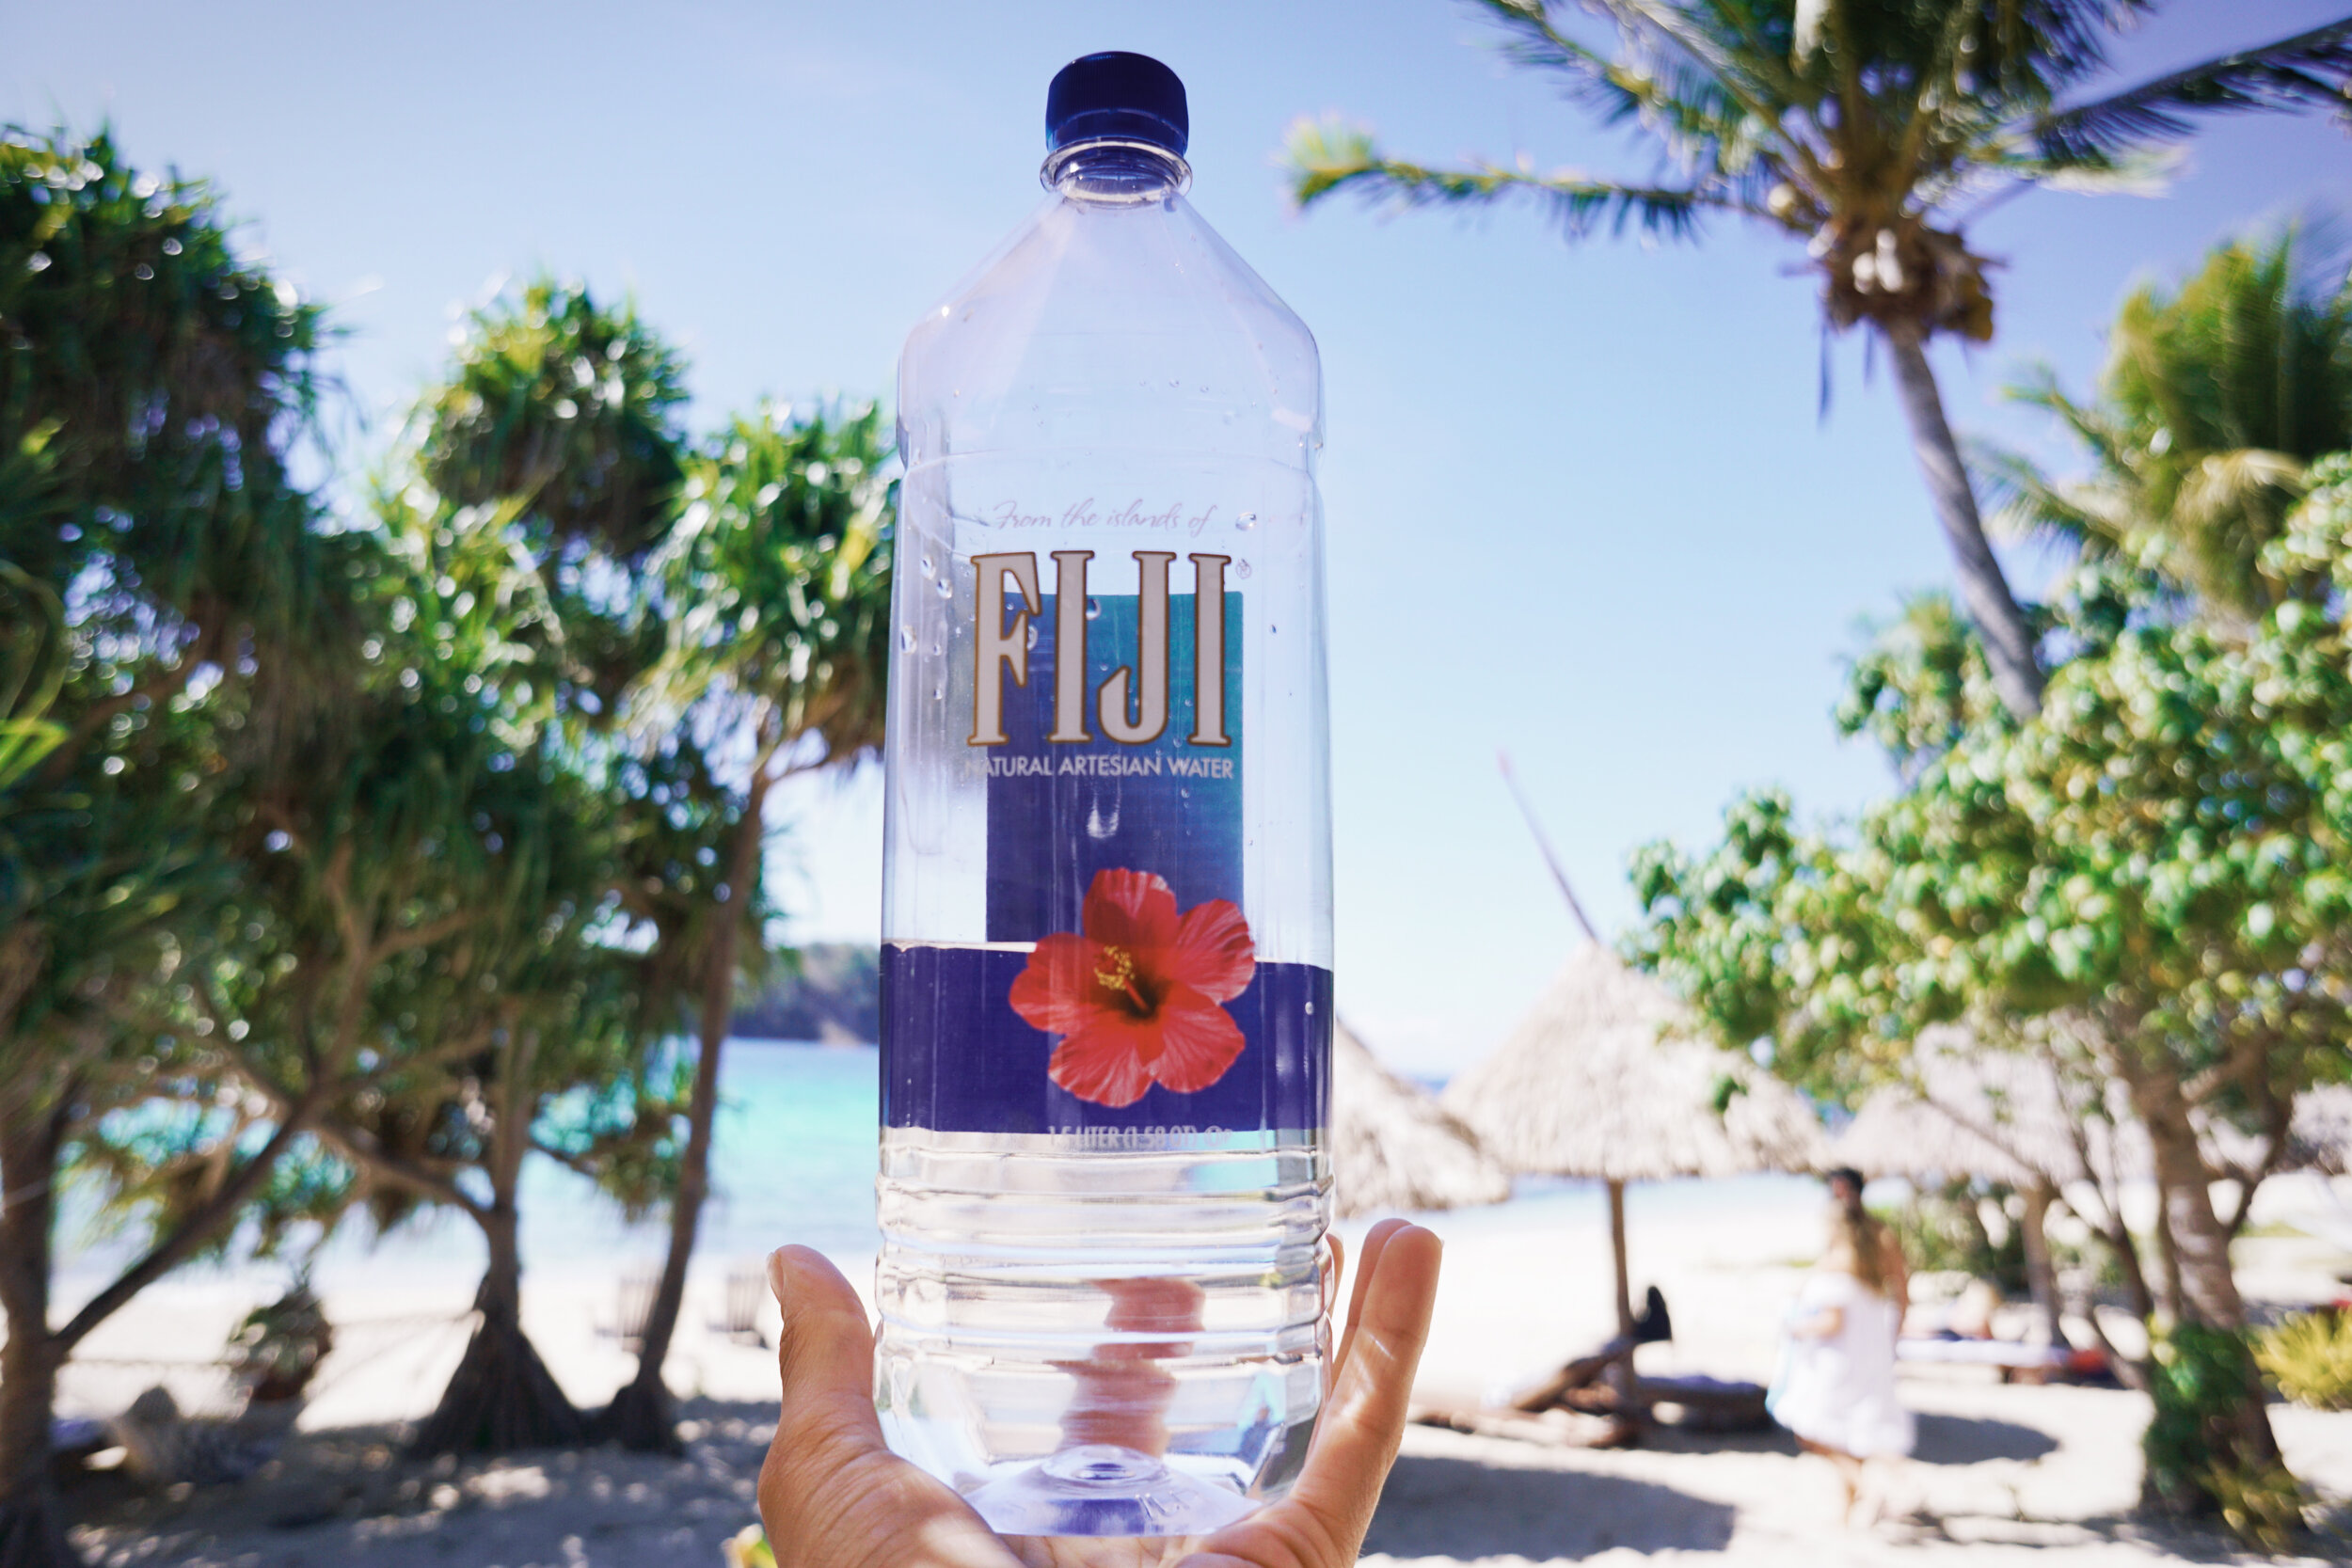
(831, 1495)
(826, 1356)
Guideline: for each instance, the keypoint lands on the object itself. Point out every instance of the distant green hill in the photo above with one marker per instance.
(828, 990)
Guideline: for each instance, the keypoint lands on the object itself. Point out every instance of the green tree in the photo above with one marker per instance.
(777, 583)
(34, 655)
(1868, 130)
(567, 407)
(430, 952)
(2147, 875)
(559, 415)
(150, 384)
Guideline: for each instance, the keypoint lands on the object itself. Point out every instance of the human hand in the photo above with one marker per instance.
(831, 1495)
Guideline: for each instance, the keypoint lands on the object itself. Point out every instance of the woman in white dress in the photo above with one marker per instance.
(1835, 1390)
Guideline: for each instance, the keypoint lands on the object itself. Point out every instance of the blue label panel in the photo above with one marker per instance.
(1058, 813)
(957, 1059)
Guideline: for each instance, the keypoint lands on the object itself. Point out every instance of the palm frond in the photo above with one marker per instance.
(2021, 502)
(2094, 429)
(1594, 79)
(1684, 106)
(2311, 69)
(1327, 155)
(2142, 171)
(1758, 79)
(2224, 484)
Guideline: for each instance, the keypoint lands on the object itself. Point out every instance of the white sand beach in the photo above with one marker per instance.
(2007, 1473)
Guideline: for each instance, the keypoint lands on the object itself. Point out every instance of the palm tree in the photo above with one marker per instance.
(778, 580)
(1871, 131)
(2216, 397)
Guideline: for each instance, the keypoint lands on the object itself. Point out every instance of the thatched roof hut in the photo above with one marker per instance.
(2000, 1116)
(2010, 1117)
(2013, 1117)
(1606, 1077)
(1897, 1134)
(2322, 1128)
(1394, 1149)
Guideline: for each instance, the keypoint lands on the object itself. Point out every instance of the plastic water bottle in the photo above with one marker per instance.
(1106, 960)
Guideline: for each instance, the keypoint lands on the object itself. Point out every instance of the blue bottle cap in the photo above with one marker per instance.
(1117, 95)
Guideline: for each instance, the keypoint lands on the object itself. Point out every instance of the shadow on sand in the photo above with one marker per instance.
(1943, 1440)
(1973, 1439)
(1440, 1507)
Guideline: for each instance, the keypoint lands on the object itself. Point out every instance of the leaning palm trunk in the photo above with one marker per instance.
(2008, 636)
(643, 1415)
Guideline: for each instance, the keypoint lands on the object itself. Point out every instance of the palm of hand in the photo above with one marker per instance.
(832, 1495)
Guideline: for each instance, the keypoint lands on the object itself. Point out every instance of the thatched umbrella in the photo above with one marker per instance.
(1606, 1079)
(1394, 1148)
(2322, 1128)
(2016, 1117)
(2003, 1116)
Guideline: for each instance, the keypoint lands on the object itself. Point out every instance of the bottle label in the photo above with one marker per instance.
(1120, 994)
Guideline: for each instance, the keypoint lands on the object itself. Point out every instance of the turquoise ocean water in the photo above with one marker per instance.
(794, 1161)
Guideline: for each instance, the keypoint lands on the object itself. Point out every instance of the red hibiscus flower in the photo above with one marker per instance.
(1134, 999)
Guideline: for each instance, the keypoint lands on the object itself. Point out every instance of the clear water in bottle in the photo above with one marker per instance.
(1106, 962)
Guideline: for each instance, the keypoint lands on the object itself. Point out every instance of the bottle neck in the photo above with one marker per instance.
(1113, 173)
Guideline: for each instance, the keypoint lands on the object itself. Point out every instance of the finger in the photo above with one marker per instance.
(1322, 1522)
(1375, 1241)
(1357, 1440)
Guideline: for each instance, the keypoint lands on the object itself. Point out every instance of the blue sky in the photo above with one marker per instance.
(1580, 501)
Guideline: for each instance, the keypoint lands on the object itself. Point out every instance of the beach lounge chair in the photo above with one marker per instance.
(635, 1306)
(746, 1293)
(2016, 1361)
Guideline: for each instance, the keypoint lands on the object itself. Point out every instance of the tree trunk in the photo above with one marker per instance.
(502, 1396)
(2142, 1304)
(2040, 1273)
(643, 1416)
(2127, 1261)
(2168, 1281)
(32, 1526)
(2009, 639)
(2211, 1420)
(2200, 1241)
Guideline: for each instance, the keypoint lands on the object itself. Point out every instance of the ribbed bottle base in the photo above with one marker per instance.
(1106, 1343)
